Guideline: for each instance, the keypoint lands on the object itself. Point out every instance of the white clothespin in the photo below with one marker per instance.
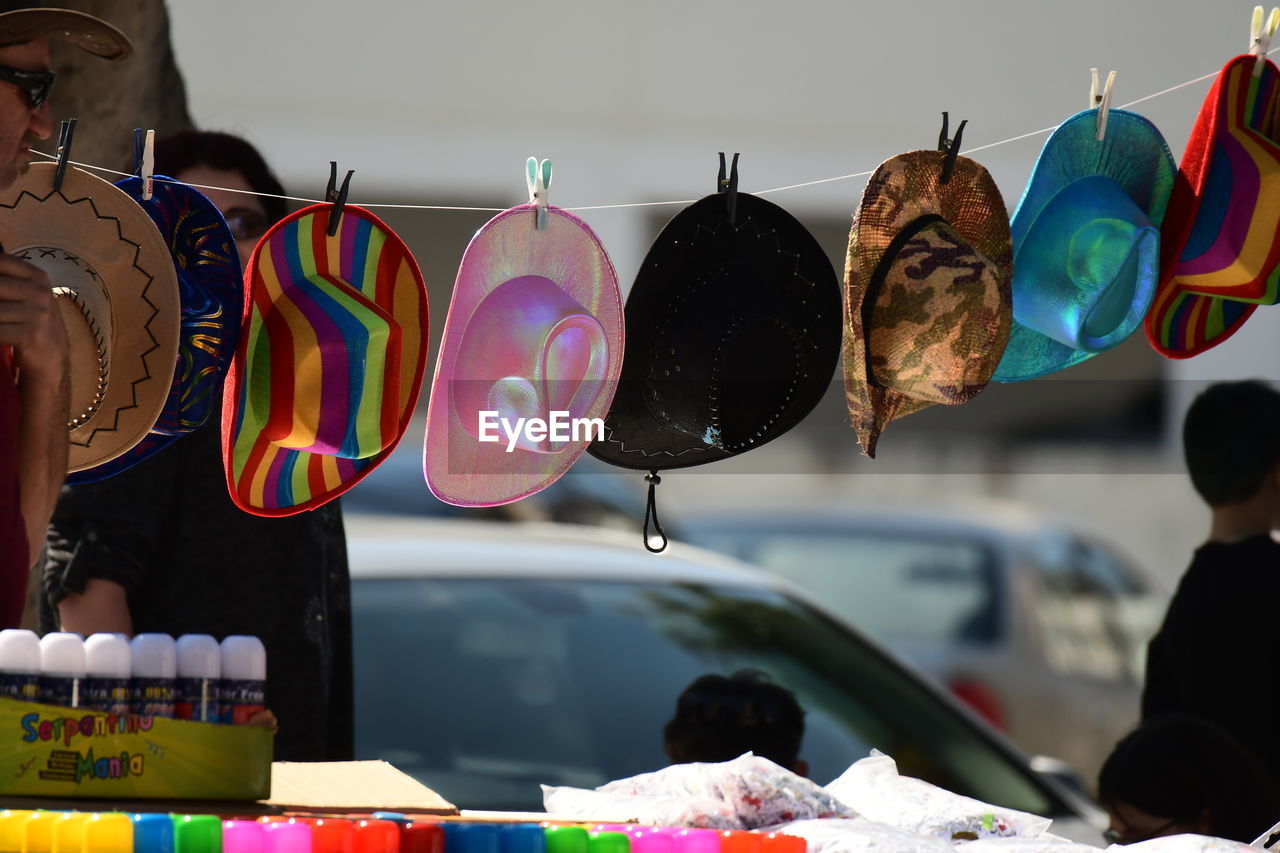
(1260, 37)
(148, 165)
(538, 176)
(1101, 100)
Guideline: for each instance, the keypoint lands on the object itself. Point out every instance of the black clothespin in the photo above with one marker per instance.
(336, 197)
(950, 147)
(651, 505)
(64, 151)
(144, 160)
(729, 186)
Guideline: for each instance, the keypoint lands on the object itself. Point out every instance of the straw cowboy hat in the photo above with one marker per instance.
(118, 294)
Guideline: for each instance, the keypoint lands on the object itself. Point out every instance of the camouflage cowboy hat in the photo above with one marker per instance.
(927, 278)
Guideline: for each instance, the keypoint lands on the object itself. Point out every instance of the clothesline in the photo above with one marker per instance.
(863, 174)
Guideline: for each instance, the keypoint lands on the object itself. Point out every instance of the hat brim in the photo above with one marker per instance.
(211, 289)
(94, 220)
(458, 467)
(263, 477)
(791, 285)
(902, 190)
(1224, 204)
(83, 30)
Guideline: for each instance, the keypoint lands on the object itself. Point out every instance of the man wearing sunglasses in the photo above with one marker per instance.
(34, 385)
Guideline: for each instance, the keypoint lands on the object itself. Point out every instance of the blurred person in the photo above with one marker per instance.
(162, 547)
(1176, 774)
(34, 381)
(1217, 653)
(719, 719)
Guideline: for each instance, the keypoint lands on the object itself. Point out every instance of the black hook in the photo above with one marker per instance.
(336, 197)
(950, 147)
(64, 151)
(651, 510)
(729, 186)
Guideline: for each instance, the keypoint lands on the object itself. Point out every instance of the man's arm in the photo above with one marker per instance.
(102, 607)
(31, 324)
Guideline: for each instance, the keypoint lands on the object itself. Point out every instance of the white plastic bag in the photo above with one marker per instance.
(859, 835)
(1184, 844)
(1043, 844)
(873, 788)
(747, 793)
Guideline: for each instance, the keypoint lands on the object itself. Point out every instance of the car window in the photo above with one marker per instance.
(1093, 612)
(485, 688)
(930, 589)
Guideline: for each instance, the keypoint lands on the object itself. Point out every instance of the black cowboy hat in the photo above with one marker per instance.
(733, 333)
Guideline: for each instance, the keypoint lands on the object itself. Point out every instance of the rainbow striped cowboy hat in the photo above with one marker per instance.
(1220, 241)
(211, 287)
(534, 328)
(330, 360)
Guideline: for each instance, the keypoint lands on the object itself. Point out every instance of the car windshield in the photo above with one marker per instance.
(484, 688)
(948, 584)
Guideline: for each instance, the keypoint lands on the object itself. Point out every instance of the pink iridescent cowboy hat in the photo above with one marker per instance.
(535, 333)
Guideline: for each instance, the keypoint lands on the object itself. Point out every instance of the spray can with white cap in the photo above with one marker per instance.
(19, 665)
(63, 666)
(199, 673)
(155, 665)
(244, 678)
(108, 665)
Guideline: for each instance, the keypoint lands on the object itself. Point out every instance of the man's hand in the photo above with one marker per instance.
(31, 323)
(103, 607)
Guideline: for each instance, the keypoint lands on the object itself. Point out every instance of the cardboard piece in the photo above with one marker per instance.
(351, 786)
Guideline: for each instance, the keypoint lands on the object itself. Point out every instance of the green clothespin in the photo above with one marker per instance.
(538, 176)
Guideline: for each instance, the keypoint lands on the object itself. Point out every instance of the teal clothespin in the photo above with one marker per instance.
(538, 176)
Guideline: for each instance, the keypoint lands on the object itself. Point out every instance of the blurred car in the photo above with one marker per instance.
(491, 658)
(591, 492)
(1039, 627)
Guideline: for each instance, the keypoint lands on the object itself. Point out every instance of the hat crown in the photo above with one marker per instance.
(935, 313)
(330, 371)
(1086, 271)
(716, 353)
(85, 308)
(529, 350)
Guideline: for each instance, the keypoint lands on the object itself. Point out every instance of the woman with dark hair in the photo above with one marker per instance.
(161, 547)
(1182, 774)
(231, 174)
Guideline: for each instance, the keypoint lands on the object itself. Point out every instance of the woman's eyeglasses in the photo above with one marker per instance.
(36, 85)
(1112, 837)
(246, 223)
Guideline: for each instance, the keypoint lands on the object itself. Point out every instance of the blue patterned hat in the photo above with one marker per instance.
(211, 288)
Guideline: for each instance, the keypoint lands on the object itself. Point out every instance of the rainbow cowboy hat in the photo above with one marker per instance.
(534, 333)
(1220, 242)
(330, 360)
(1086, 242)
(211, 288)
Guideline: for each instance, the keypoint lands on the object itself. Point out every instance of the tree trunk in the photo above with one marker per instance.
(110, 99)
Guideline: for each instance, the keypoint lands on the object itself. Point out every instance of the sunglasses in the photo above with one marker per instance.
(1112, 837)
(246, 223)
(36, 85)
